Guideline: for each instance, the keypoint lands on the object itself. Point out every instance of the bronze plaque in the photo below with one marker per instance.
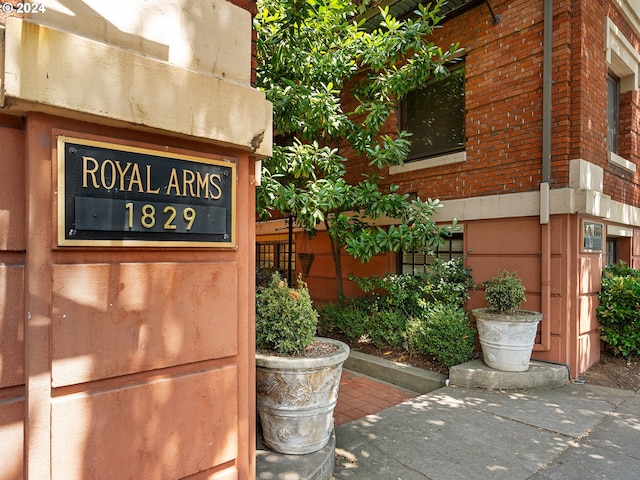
(114, 195)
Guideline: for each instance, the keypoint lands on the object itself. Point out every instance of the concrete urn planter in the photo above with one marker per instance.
(296, 397)
(507, 339)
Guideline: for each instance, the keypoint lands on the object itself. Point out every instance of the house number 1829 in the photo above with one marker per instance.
(148, 216)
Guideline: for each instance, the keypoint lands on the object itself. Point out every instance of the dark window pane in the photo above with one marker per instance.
(612, 256)
(435, 116)
(613, 115)
(413, 263)
(276, 256)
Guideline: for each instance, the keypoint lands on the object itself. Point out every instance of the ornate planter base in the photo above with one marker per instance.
(296, 397)
(507, 340)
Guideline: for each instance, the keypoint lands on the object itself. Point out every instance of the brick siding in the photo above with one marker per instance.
(4, 15)
(504, 83)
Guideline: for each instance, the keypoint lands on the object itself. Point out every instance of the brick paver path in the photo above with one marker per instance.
(360, 396)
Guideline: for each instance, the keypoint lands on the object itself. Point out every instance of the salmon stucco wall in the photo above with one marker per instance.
(127, 361)
(12, 259)
(322, 274)
(569, 331)
(138, 359)
(561, 279)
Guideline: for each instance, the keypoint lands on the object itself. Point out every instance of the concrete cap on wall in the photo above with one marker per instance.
(53, 70)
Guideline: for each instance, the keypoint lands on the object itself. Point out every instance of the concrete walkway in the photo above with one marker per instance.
(571, 432)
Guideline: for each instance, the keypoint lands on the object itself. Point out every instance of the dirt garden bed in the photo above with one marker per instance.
(610, 371)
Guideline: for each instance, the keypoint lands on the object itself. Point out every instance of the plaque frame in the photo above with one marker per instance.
(154, 192)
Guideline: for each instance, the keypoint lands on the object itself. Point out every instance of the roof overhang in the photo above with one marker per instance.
(404, 8)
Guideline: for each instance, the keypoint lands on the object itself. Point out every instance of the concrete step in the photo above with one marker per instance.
(318, 465)
(398, 374)
(541, 375)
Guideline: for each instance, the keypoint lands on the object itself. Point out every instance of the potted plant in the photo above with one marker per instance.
(297, 374)
(506, 333)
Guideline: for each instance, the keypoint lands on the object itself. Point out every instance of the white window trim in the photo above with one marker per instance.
(457, 157)
(621, 57)
(618, 231)
(624, 61)
(617, 160)
(630, 13)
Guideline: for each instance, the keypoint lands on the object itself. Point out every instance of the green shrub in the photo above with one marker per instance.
(264, 275)
(448, 282)
(619, 310)
(398, 308)
(387, 327)
(327, 318)
(504, 292)
(285, 317)
(422, 313)
(444, 331)
(393, 292)
(352, 319)
(414, 336)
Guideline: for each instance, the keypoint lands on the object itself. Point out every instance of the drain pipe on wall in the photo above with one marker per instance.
(545, 208)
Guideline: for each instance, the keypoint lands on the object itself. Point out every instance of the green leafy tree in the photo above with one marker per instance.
(315, 57)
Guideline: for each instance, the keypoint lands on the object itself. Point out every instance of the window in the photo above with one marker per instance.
(435, 115)
(613, 113)
(612, 251)
(623, 63)
(413, 263)
(275, 255)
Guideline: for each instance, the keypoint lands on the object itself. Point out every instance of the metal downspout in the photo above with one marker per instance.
(545, 208)
(547, 83)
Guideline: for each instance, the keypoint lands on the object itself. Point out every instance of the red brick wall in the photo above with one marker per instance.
(504, 102)
(4, 13)
(503, 97)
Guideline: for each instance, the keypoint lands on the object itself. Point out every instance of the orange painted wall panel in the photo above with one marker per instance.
(635, 249)
(322, 275)
(110, 320)
(150, 430)
(588, 283)
(511, 236)
(507, 244)
(558, 319)
(558, 234)
(516, 245)
(556, 346)
(12, 205)
(11, 325)
(589, 273)
(11, 438)
(588, 351)
(12, 245)
(527, 268)
(587, 321)
(558, 274)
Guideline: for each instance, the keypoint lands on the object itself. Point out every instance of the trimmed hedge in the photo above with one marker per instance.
(422, 313)
(619, 310)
